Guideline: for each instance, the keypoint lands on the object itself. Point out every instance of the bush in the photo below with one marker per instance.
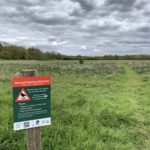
(81, 61)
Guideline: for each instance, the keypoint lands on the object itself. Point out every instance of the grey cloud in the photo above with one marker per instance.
(21, 12)
(112, 27)
(134, 42)
(120, 5)
(87, 5)
(51, 20)
(125, 3)
(78, 12)
(145, 29)
(28, 3)
(101, 29)
(140, 4)
(146, 13)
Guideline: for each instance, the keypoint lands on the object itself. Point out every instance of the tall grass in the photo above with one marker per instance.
(99, 105)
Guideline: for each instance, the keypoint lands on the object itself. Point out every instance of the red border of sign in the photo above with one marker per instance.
(31, 81)
(19, 95)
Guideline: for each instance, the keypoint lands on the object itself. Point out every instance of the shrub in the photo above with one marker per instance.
(81, 61)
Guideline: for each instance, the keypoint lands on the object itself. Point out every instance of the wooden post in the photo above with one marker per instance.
(33, 135)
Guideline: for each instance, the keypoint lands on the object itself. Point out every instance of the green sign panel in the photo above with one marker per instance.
(31, 101)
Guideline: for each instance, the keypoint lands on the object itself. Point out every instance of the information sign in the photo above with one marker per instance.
(31, 101)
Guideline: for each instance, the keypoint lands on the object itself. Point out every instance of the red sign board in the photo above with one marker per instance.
(31, 81)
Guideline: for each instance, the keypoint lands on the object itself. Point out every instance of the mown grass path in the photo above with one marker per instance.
(134, 98)
(133, 86)
(133, 81)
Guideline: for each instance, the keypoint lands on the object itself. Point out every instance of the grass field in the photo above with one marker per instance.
(98, 105)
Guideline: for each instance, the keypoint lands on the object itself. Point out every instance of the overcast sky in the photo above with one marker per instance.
(73, 27)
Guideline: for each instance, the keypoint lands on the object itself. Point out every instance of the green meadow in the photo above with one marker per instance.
(97, 105)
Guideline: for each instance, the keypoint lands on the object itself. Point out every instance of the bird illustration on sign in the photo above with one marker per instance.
(23, 96)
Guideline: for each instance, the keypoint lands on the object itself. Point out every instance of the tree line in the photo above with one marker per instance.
(22, 53)
(13, 52)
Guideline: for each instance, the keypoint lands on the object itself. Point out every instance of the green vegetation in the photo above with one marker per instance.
(13, 52)
(81, 61)
(99, 105)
